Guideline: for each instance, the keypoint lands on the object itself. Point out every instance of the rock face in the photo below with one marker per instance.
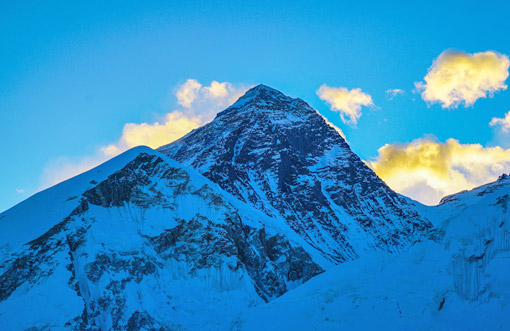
(148, 247)
(279, 155)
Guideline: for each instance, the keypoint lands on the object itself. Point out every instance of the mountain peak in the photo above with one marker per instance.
(264, 91)
(504, 177)
(266, 88)
(263, 94)
(264, 99)
(278, 154)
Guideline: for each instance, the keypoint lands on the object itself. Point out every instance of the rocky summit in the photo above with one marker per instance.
(281, 156)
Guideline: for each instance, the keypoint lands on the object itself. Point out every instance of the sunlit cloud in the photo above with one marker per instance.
(427, 170)
(392, 93)
(174, 125)
(20, 190)
(198, 105)
(457, 78)
(503, 123)
(347, 102)
(188, 92)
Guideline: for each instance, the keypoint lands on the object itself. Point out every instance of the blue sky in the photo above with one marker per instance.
(74, 73)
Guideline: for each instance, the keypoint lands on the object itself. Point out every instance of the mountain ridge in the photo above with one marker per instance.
(145, 224)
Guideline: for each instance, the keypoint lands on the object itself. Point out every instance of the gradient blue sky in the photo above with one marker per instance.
(73, 73)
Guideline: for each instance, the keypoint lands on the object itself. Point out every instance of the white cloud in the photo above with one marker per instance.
(461, 78)
(188, 92)
(348, 103)
(427, 170)
(504, 122)
(20, 190)
(198, 106)
(392, 93)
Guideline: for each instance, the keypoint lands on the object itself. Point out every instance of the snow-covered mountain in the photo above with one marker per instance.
(458, 282)
(142, 242)
(282, 157)
(262, 219)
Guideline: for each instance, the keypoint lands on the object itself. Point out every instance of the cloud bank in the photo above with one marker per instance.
(347, 102)
(198, 104)
(457, 78)
(427, 170)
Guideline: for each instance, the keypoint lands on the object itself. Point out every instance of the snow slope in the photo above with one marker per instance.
(37, 214)
(142, 242)
(458, 281)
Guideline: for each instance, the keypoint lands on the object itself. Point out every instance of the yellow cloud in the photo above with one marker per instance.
(503, 122)
(348, 103)
(218, 90)
(427, 170)
(174, 126)
(199, 104)
(457, 77)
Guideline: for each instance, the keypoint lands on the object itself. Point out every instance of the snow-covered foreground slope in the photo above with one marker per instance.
(458, 281)
(142, 242)
(279, 155)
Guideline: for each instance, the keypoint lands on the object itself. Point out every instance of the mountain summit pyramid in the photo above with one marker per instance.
(281, 156)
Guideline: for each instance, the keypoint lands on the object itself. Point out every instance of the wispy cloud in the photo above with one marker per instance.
(392, 93)
(20, 190)
(427, 170)
(198, 104)
(347, 102)
(503, 123)
(457, 78)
